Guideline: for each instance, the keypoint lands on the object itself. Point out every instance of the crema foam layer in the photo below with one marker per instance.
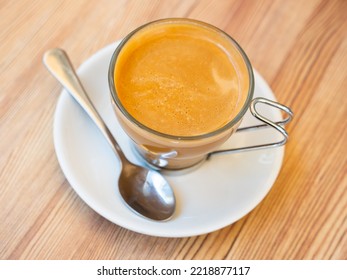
(178, 79)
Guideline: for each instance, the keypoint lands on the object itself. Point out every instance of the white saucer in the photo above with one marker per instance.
(216, 194)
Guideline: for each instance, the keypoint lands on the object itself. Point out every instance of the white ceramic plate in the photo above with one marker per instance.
(215, 194)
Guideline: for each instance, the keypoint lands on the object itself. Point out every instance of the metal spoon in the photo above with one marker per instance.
(145, 191)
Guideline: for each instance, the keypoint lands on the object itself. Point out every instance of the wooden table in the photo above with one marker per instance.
(300, 47)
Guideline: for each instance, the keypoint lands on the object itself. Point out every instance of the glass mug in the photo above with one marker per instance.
(157, 145)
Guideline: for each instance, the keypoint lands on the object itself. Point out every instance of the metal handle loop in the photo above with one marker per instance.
(278, 126)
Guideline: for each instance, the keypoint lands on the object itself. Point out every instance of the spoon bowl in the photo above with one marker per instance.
(147, 192)
(144, 191)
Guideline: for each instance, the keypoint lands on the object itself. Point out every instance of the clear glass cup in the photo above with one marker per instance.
(167, 151)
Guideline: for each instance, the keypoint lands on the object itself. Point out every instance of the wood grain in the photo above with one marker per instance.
(300, 47)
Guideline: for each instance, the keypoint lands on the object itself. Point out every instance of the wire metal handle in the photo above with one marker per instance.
(278, 126)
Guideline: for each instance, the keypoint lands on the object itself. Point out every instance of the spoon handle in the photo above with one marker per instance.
(60, 66)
